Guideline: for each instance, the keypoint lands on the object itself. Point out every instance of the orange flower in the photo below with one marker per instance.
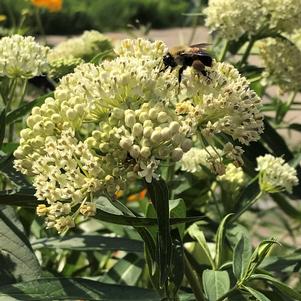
(137, 196)
(51, 5)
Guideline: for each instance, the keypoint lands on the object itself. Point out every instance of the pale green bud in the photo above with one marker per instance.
(129, 118)
(135, 151)
(145, 152)
(147, 132)
(174, 127)
(118, 113)
(126, 143)
(137, 130)
(156, 136)
(162, 117)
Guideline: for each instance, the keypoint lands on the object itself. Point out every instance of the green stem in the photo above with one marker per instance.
(227, 294)
(224, 52)
(247, 53)
(194, 28)
(193, 280)
(247, 206)
(40, 25)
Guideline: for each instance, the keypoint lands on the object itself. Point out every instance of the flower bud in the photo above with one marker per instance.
(137, 130)
(126, 143)
(177, 154)
(145, 152)
(135, 151)
(156, 136)
(174, 127)
(162, 117)
(186, 145)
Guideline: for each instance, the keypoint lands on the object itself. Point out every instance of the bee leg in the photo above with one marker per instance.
(181, 70)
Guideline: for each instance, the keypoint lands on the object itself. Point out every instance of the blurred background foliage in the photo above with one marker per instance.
(77, 15)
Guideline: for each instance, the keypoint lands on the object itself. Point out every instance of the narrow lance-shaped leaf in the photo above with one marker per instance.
(158, 192)
(220, 239)
(197, 234)
(49, 289)
(2, 126)
(18, 262)
(89, 242)
(23, 110)
(258, 295)
(126, 271)
(258, 256)
(278, 284)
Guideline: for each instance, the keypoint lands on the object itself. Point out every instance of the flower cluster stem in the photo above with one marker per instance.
(193, 280)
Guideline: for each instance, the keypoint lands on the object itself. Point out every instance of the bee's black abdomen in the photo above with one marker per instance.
(206, 59)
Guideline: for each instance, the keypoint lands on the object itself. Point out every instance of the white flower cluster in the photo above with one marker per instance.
(275, 175)
(283, 15)
(195, 160)
(22, 57)
(282, 63)
(222, 104)
(85, 46)
(115, 122)
(233, 176)
(234, 18)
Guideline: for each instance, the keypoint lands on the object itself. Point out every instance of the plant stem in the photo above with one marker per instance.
(227, 294)
(247, 206)
(193, 280)
(40, 25)
(224, 51)
(247, 53)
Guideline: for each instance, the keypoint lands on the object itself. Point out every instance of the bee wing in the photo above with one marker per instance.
(200, 45)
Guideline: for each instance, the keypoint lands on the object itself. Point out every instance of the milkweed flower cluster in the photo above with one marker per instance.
(113, 123)
(22, 57)
(67, 55)
(85, 46)
(275, 175)
(282, 63)
(232, 18)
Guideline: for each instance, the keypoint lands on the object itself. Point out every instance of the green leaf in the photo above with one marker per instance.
(89, 242)
(177, 208)
(158, 193)
(259, 255)
(241, 257)
(295, 126)
(49, 289)
(23, 110)
(108, 213)
(278, 284)
(18, 262)
(126, 271)
(258, 295)
(2, 126)
(283, 202)
(7, 166)
(195, 232)
(220, 238)
(216, 284)
(23, 198)
(177, 260)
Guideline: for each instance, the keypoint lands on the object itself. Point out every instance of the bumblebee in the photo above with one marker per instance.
(194, 56)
